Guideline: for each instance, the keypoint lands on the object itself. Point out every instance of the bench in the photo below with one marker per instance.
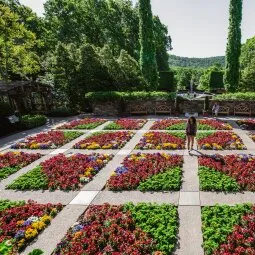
(138, 109)
(163, 108)
(222, 110)
(242, 110)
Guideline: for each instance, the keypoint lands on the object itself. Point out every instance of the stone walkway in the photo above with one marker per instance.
(189, 199)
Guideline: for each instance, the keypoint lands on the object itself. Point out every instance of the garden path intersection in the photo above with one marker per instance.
(190, 199)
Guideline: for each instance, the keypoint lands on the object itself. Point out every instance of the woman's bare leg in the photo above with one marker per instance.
(188, 142)
(192, 142)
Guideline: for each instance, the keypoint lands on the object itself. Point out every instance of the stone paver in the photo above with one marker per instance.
(189, 199)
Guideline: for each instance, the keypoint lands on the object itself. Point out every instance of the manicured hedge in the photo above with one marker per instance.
(32, 121)
(250, 96)
(115, 95)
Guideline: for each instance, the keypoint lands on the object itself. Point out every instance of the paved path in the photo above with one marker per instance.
(189, 199)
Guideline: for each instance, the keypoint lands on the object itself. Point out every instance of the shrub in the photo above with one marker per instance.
(249, 96)
(139, 95)
(32, 121)
(62, 112)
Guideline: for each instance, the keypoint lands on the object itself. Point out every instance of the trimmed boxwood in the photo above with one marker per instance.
(246, 96)
(32, 121)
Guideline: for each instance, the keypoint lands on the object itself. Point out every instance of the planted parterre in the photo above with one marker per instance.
(47, 140)
(219, 140)
(124, 229)
(105, 140)
(179, 124)
(22, 222)
(62, 172)
(162, 141)
(228, 230)
(126, 124)
(252, 136)
(247, 124)
(11, 162)
(227, 173)
(88, 123)
(148, 172)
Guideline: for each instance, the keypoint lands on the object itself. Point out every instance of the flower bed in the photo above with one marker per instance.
(220, 141)
(228, 173)
(148, 172)
(49, 140)
(228, 230)
(105, 140)
(88, 123)
(11, 162)
(124, 229)
(252, 136)
(247, 124)
(127, 124)
(21, 223)
(162, 141)
(204, 124)
(62, 172)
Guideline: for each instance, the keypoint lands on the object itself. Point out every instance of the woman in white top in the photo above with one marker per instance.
(215, 109)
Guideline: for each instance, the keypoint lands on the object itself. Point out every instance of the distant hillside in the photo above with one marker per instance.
(195, 62)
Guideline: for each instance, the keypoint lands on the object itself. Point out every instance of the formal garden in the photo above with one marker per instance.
(94, 157)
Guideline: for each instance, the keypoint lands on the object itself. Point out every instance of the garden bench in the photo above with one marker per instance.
(163, 108)
(224, 110)
(242, 110)
(138, 109)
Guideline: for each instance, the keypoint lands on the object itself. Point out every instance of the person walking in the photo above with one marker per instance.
(191, 132)
(215, 109)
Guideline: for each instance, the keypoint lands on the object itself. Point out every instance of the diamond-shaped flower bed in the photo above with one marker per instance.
(124, 229)
(48, 140)
(105, 140)
(247, 124)
(204, 124)
(127, 124)
(11, 162)
(148, 172)
(228, 230)
(220, 140)
(252, 136)
(21, 223)
(162, 141)
(62, 172)
(228, 173)
(88, 123)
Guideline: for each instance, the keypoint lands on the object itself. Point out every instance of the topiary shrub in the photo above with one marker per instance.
(32, 121)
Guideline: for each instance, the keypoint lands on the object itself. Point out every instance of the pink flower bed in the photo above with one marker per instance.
(161, 141)
(127, 124)
(164, 124)
(139, 167)
(105, 140)
(88, 123)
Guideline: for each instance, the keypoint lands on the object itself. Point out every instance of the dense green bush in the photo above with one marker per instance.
(216, 80)
(166, 81)
(250, 96)
(32, 121)
(61, 112)
(140, 95)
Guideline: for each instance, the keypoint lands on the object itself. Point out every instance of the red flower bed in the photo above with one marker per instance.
(239, 167)
(127, 124)
(139, 167)
(164, 124)
(105, 140)
(214, 124)
(17, 159)
(247, 124)
(161, 140)
(221, 140)
(242, 240)
(106, 229)
(88, 123)
(21, 224)
(48, 140)
(71, 172)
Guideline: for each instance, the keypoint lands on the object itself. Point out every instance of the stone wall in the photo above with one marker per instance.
(114, 108)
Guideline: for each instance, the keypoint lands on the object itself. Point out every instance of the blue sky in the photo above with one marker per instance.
(198, 27)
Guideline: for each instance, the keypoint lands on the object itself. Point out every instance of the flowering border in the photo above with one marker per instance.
(123, 229)
(126, 124)
(246, 124)
(87, 123)
(147, 172)
(62, 172)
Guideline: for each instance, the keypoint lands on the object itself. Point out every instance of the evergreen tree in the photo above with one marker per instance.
(148, 62)
(232, 72)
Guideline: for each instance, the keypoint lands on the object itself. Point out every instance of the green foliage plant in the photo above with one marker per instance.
(32, 121)
(6, 204)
